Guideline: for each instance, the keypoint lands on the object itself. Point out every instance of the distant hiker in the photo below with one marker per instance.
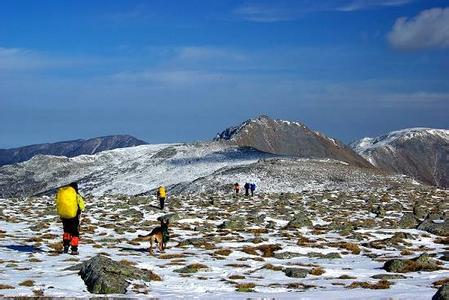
(161, 195)
(236, 188)
(69, 205)
(246, 186)
(253, 188)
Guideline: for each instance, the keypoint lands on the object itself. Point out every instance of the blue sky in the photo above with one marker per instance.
(175, 71)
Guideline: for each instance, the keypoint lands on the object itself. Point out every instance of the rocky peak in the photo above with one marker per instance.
(288, 138)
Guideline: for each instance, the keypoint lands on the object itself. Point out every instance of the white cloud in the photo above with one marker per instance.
(169, 77)
(267, 14)
(289, 10)
(370, 4)
(21, 60)
(430, 29)
(209, 53)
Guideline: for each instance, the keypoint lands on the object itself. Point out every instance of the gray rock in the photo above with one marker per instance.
(236, 223)
(445, 256)
(440, 228)
(103, 275)
(408, 220)
(442, 293)
(296, 272)
(299, 220)
(420, 263)
(287, 255)
(419, 212)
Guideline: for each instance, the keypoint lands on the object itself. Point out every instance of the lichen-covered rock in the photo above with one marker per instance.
(299, 220)
(442, 293)
(408, 220)
(419, 212)
(296, 272)
(420, 263)
(438, 228)
(235, 223)
(103, 275)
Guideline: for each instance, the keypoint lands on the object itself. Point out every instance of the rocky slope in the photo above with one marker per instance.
(68, 148)
(187, 168)
(422, 153)
(290, 139)
(310, 245)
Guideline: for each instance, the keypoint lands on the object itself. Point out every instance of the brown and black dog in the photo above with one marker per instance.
(158, 235)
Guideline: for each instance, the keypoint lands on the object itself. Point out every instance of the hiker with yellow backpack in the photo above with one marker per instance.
(161, 195)
(69, 205)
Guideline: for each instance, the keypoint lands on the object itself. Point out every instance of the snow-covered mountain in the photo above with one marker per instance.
(132, 170)
(68, 148)
(422, 153)
(184, 168)
(290, 139)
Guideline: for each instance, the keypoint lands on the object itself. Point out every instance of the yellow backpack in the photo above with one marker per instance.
(66, 203)
(162, 192)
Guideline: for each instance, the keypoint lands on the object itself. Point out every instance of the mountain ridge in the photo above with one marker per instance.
(70, 148)
(422, 153)
(289, 138)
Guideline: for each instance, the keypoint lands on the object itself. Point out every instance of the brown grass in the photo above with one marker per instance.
(440, 282)
(238, 266)
(233, 277)
(346, 277)
(154, 277)
(442, 240)
(27, 283)
(224, 252)
(317, 271)
(245, 287)
(353, 248)
(273, 267)
(56, 246)
(268, 250)
(6, 287)
(380, 285)
(250, 250)
(127, 262)
(171, 256)
(258, 230)
(406, 252)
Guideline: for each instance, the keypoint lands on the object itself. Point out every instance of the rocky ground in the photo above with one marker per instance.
(315, 244)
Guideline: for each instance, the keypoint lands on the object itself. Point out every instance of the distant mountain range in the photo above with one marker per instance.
(422, 153)
(278, 155)
(68, 148)
(289, 139)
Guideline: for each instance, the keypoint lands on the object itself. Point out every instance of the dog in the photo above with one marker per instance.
(159, 235)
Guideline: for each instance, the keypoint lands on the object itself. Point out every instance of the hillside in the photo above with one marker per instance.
(68, 148)
(290, 139)
(422, 153)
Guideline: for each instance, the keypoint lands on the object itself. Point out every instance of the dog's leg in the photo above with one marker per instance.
(151, 245)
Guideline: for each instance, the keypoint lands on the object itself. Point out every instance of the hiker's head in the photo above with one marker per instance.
(74, 185)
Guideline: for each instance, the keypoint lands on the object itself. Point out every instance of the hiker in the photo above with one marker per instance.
(253, 188)
(161, 195)
(237, 188)
(69, 205)
(246, 186)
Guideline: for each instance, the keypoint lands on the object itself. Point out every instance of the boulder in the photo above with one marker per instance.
(296, 272)
(408, 220)
(299, 220)
(437, 228)
(442, 293)
(235, 223)
(103, 275)
(421, 263)
(419, 212)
